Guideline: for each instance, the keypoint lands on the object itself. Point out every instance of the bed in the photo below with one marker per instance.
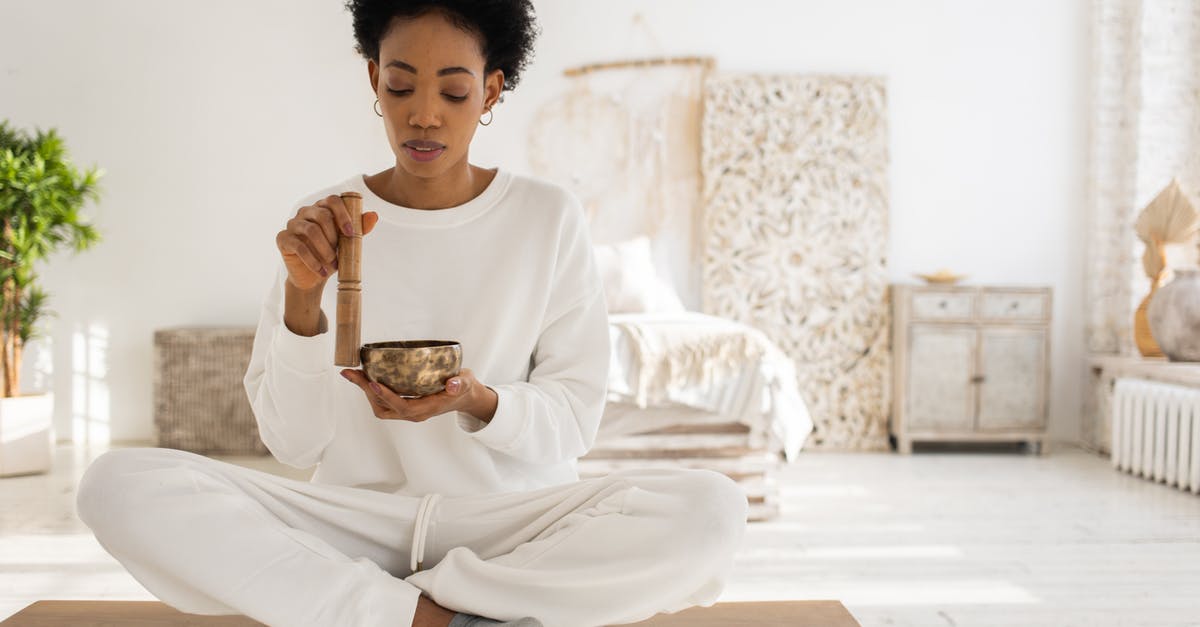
(686, 389)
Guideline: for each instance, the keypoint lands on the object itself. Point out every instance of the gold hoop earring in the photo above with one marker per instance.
(490, 117)
(376, 108)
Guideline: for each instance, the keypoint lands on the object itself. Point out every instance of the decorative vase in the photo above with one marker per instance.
(1142, 336)
(1174, 316)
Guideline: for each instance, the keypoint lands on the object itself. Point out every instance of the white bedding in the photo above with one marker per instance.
(733, 373)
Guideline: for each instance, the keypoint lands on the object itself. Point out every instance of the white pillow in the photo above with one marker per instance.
(631, 285)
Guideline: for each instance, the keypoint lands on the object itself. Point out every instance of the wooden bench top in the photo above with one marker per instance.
(146, 613)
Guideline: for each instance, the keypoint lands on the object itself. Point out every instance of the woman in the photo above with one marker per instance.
(443, 509)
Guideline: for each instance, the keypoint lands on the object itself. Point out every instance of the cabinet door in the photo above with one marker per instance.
(1012, 389)
(941, 361)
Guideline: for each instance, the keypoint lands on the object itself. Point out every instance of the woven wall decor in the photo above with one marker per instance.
(795, 228)
(626, 141)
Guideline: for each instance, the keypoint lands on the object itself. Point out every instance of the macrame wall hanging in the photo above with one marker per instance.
(795, 236)
(625, 138)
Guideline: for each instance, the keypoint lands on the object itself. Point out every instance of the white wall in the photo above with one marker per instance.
(211, 118)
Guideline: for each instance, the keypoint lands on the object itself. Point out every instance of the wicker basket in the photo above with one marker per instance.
(200, 404)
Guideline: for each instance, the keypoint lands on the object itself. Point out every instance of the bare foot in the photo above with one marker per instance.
(430, 614)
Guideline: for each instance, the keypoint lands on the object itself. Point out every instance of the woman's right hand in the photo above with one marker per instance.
(309, 243)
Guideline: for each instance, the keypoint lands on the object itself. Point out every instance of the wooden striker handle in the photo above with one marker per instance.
(349, 298)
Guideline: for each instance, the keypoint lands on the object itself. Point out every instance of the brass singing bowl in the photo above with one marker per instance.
(411, 368)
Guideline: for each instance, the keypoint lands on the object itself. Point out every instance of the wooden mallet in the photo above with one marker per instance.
(349, 298)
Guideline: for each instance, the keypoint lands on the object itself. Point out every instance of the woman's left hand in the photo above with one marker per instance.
(463, 393)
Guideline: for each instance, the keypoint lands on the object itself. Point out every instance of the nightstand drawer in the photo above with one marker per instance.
(943, 305)
(1014, 305)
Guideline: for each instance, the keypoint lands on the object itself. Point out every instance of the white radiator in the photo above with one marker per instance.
(1156, 432)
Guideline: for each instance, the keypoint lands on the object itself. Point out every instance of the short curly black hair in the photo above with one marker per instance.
(507, 28)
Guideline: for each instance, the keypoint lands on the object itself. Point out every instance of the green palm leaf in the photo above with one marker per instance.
(41, 194)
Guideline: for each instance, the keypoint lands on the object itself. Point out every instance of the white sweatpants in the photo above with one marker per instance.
(209, 537)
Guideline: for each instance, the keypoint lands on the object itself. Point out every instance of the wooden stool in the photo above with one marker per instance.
(117, 613)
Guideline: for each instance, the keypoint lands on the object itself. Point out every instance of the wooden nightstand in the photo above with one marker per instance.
(970, 364)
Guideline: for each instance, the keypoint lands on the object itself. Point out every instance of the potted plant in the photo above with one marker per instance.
(41, 194)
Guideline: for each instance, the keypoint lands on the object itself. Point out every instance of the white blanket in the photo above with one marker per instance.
(712, 364)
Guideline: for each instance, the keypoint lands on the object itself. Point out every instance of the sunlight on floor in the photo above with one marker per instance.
(909, 592)
(857, 552)
(27, 549)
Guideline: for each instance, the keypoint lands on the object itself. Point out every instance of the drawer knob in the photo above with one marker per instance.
(1014, 305)
(943, 304)
(977, 379)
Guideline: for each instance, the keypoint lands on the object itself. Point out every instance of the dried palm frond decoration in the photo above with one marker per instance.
(1170, 218)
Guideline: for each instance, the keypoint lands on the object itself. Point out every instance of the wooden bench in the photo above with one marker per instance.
(147, 613)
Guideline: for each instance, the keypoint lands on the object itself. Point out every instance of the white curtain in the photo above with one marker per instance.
(1145, 129)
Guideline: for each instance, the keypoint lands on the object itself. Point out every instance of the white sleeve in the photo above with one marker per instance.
(555, 414)
(290, 385)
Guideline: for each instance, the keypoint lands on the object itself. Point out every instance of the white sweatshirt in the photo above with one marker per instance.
(510, 275)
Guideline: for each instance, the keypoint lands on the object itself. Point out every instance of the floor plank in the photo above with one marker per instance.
(936, 538)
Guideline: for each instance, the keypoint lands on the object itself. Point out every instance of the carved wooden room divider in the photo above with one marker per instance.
(795, 235)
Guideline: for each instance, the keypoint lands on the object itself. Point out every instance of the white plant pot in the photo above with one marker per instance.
(26, 434)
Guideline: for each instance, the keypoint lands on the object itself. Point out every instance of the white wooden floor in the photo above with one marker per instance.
(938, 538)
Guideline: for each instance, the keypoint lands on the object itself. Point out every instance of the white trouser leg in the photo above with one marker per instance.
(612, 550)
(209, 537)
